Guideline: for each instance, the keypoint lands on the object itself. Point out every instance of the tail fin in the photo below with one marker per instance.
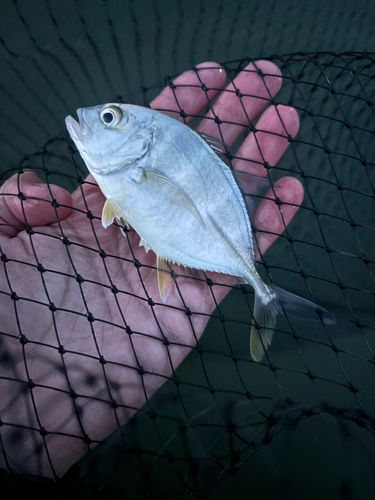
(266, 310)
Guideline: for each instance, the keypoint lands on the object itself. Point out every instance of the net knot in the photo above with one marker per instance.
(65, 240)
(23, 339)
(152, 414)
(31, 384)
(87, 439)
(353, 389)
(137, 263)
(90, 317)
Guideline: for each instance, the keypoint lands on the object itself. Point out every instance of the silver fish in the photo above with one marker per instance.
(170, 185)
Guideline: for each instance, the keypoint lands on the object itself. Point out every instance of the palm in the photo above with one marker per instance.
(106, 308)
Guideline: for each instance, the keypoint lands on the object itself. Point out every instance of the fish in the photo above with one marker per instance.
(173, 187)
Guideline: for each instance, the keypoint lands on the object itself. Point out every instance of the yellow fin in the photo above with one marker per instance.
(109, 213)
(265, 318)
(260, 341)
(164, 277)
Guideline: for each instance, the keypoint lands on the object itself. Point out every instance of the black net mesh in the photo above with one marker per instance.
(300, 422)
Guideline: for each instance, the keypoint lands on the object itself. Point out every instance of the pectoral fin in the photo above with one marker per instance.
(109, 213)
(164, 277)
(179, 195)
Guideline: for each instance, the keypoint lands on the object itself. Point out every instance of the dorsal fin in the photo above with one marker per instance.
(249, 184)
(215, 144)
(251, 187)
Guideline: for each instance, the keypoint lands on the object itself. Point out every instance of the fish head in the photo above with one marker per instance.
(111, 137)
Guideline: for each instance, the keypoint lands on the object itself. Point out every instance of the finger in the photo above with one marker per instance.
(256, 85)
(269, 142)
(270, 219)
(189, 96)
(26, 200)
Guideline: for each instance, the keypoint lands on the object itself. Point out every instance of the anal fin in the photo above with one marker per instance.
(110, 213)
(164, 277)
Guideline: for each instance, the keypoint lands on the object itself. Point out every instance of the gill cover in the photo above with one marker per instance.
(111, 137)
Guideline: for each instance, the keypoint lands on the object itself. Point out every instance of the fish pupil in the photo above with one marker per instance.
(108, 117)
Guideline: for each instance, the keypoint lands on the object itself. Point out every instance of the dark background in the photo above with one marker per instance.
(57, 56)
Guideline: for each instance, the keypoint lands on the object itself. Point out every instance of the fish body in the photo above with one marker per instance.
(168, 183)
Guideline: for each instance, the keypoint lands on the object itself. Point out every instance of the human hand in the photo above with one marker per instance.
(85, 338)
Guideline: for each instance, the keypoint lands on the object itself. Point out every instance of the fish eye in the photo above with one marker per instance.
(111, 116)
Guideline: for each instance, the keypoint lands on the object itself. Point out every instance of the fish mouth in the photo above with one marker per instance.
(79, 131)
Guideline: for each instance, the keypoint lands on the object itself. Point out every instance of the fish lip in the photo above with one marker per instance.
(74, 128)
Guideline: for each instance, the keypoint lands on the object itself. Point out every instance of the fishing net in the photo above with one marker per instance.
(299, 423)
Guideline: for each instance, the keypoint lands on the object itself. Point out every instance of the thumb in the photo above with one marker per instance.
(26, 200)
